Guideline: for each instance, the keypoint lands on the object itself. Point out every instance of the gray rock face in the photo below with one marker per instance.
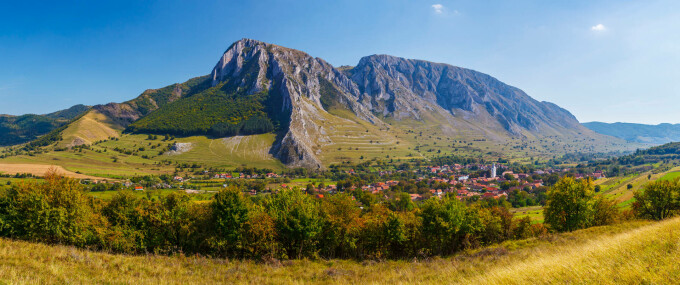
(295, 76)
(179, 148)
(405, 87)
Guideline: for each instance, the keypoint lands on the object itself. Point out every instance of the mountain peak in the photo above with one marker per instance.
(313, 104)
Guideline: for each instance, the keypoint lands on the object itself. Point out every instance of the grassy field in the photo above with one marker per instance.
(136, 155)
(342, 137)
(90, 128)
(618, 186)
(39, 170)
(671, 175)
(5, 183)
(629, 253)
(533, 212)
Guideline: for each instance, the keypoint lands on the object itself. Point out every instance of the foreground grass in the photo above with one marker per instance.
(634, 252)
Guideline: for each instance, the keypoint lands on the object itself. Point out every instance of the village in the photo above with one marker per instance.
(464, 186)
(486, 181)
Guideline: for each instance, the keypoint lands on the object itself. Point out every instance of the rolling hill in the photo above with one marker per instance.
(640, 133)
(21, 129)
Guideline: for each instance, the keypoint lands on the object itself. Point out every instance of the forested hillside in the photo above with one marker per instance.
(25, 128)
(214, 111)
(151, 100)
(225, 109)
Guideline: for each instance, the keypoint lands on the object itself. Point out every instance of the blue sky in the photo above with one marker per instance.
(602, 60)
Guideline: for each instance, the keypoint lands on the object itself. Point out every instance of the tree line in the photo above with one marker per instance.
(288, 224)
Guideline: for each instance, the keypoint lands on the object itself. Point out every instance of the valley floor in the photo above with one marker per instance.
(633, 252)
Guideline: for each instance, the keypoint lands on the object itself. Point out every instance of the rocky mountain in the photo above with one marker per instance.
(402, 88)
(640, 133)
(313, 107)
(25, 128)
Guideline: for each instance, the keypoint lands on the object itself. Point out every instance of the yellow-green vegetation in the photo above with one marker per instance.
(131, 155)
(618, 187)
(6, 183)
(93, 126)
(535, 213)
(39, 170)
(235, 151)
(615, 188)
(345, 138)
(671, 175)
(628, 253)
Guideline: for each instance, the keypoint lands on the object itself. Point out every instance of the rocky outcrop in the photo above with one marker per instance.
(406, 88)
(294, 76)
(179, 148)
(122, 113)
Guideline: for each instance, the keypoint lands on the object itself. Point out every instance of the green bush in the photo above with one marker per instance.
(658, 200)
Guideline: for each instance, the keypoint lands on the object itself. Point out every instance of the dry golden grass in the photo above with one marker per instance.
(629, 253)
(93, 126)
(40, 170)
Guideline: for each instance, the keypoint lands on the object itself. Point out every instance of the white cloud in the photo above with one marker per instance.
(438, 8)
(598, 28)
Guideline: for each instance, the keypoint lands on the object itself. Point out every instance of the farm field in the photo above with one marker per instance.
(533, 212)
(39, 170)
(632, 252)
(107, 152)
(671, 175)
(6, 183)
(132, 155)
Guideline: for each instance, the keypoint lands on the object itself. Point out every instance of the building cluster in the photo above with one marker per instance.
(462, 185)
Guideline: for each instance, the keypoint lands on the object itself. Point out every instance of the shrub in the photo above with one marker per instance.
(657, 200)
(56, 211)
(297, 221)
(569, 205)
(605, 212)
(230, 211)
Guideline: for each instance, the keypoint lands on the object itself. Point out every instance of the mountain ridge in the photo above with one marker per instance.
(641, 133)
(257, 87)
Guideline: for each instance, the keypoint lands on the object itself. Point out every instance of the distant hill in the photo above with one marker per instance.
(25, 128)
(639, 133)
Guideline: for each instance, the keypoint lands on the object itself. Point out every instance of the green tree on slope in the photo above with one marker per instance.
(658, 200)
(570, 205)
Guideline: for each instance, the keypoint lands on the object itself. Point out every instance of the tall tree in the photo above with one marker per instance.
(570, 205)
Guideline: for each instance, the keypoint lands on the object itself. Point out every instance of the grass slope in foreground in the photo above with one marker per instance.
(634, 252)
